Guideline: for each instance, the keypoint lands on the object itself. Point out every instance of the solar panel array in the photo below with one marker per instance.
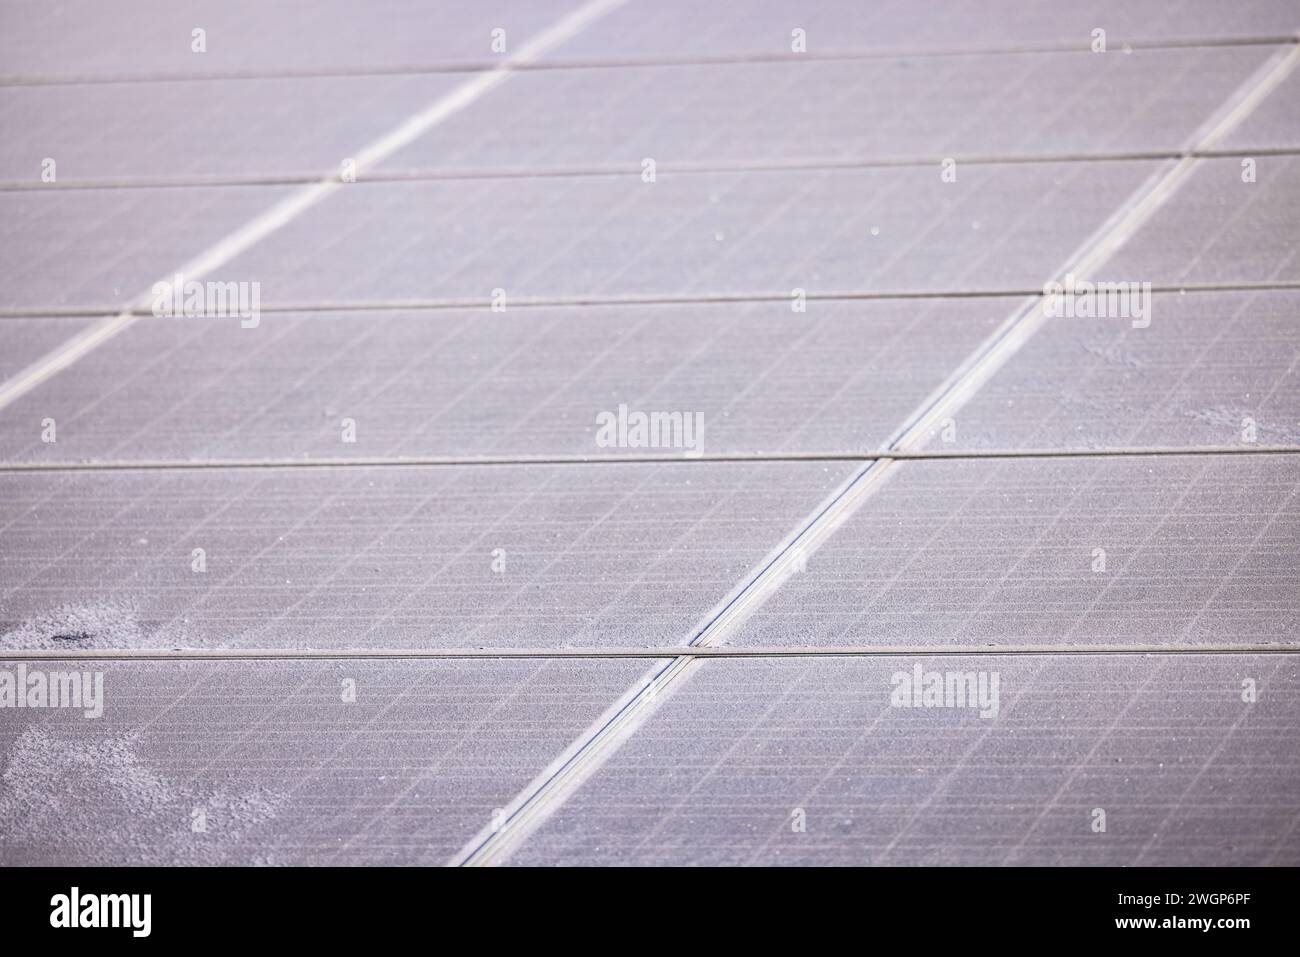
(612, 432)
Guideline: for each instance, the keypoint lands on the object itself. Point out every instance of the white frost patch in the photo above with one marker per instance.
(101, 625)
(75, 798)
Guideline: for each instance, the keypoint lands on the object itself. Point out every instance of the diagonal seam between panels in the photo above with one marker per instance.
(586, 755)
(452, 461)
(579, 302)
(619, 654)
(294, 205)
(598, 63)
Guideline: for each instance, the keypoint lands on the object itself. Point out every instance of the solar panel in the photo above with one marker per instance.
(808, 762)
(1206, 363)
(286, 762)
(342, 558)
(616, 432)
(839, 380)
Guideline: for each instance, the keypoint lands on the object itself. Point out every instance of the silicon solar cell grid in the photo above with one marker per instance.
(375, 563)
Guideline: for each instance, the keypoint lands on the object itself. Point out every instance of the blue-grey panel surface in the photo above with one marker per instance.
(1232, 221)
(100, 250)
(1274, 124)
(145, 38)
(283, 762)
(686, 27)
(799, 762)
(826, 231)
(611, 555)
(24, 341)
(1197, 369)
(746, 377)
(1133, 551)
(1060, 629)
(610, 120)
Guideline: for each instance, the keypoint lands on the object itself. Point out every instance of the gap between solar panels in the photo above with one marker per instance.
(291, 207)
(615, 654)
(586, 755)
(597, 63)
(683, 168)
(900, 455)
(580, 302)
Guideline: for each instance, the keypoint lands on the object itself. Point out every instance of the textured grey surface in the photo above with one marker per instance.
(102, 249)
(1209, 367)
(84, 38)
(265, 126)
(1219, 229)
(692, 234)
(1274, 124)
(1185, 770)
(527, 382)
(1016, 104)
(686, 234)
(976, 553)
(279, 767)
(23, 341)
(684, 27)
(981, 554)
(611, 555)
